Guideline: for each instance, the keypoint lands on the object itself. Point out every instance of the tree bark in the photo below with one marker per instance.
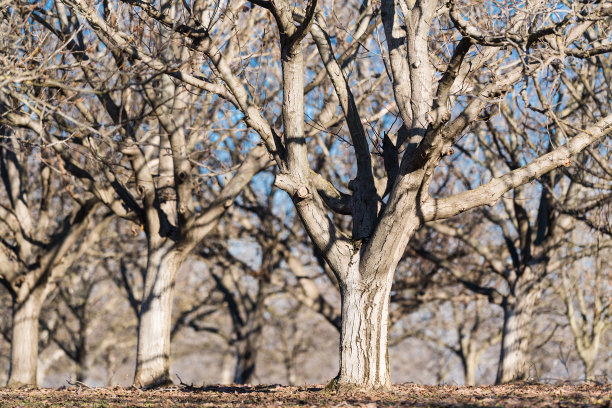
(470, 365)
(513, 364)
(246, 357)
(81, 363)
(24, 341)
(290, 369)
(153, 350)
(226, 367)
(364, 353)
(588, 354)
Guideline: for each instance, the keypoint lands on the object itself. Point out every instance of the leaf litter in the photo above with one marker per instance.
(403, 395)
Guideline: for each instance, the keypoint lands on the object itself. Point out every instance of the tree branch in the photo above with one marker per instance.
(489, 193)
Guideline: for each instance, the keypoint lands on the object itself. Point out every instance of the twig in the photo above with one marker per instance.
(184, 385)
(77, 383)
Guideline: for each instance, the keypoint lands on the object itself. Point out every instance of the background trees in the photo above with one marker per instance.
(383, 121)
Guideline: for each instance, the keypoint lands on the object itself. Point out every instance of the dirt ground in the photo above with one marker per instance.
(406, 395)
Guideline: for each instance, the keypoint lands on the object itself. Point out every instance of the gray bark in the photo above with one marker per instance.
(470, 365)
(513, 358)
(246, 358)
(24, 341)
(226, 367)
(364, 352)
(153, 350)
(365, 263)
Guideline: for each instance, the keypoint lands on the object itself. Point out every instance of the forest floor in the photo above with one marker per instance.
(405, 395)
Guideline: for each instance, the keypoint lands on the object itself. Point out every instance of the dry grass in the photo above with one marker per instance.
(406, 395)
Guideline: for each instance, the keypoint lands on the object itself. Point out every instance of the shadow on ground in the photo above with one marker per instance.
(405, 395)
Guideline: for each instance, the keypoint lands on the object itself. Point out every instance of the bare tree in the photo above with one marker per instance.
(477, 70)
(529, 233)
(447, 66)
(69, 320)
(42, 239)
(463, 325)
(585, 291)
(159, 173)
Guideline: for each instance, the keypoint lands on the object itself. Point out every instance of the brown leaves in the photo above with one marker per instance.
(407, 395)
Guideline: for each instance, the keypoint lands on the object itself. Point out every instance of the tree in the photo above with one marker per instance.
(365, 263)
(69, 321)
(585, 291)
(252, 256)
(439, 94)
(467, 333)
(159, 172)
(40, 244)
(531, 234)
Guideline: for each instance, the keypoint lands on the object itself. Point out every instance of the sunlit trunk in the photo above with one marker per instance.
(588, 355)
(364, 354)
(470, 364)
(24, 341)
(153, 350)
(290, 370)
(589, 368)
(226, 367)
(513, 364)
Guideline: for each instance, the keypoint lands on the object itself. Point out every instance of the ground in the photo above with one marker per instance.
(406, 395)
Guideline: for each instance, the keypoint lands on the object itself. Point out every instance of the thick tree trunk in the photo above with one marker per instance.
(513, 364)
(24, 341)
(364, 354)
(155, 320)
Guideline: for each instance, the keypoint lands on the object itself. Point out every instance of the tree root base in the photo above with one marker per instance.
(349, 388)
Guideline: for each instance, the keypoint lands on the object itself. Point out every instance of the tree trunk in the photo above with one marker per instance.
(470, 364)
(81, 365)
(250, 334)
(364, 354)
(246, 357)
(24, 341)
(588, 355)
(589, 369)
(155, 320)
(226, 367)
(513, 364)
(290, 369)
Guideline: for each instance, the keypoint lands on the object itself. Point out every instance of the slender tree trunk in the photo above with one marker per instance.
(470, 365)
(589, 368)
(247, 348)
(24, 341)
(245, 362)
(153, 350)
(513, 364)
(588, 356)
(81, 363)
(226, 367)
(290, 368)
(364, 354)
